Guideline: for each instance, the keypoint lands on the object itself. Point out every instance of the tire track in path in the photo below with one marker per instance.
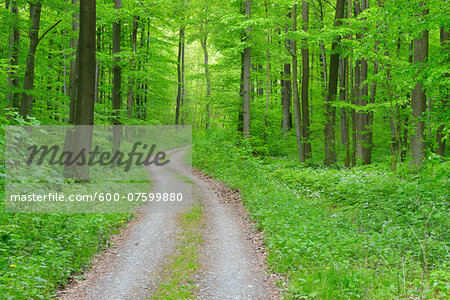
(232, 256)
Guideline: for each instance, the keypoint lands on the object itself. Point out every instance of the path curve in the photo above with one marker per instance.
(232, 258)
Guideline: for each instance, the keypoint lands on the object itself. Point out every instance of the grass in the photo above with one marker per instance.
(178, 274)
(341, 234)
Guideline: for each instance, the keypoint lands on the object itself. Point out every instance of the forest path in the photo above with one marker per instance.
(232, 257)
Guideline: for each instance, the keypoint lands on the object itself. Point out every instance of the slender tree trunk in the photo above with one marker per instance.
(241, 94)
(74, 64)
(97, 64)
(306, 131)
(14, 42)
(323, 57)
(267, 76)
(208, 79)
(330, 147)
(183, 85)
(130, 96)
(361, 92)
(286, 97)
(373, 91)
(297, 111)
(179, 72)
(343, 97)
(418, 101)
(364, 119)
(117, 71)
(28, 82)
(117, 81)
(440, 135)
(246, 63)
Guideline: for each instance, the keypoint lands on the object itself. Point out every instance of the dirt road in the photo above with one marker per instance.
(232, 256)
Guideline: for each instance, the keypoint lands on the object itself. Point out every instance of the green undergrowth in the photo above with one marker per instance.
(178, 274)
(341, 234)
(41, 252)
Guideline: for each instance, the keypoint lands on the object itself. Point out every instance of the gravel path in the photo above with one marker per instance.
(232, 257)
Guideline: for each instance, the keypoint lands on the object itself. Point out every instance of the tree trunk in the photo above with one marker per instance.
(74, 70)
(117, 81)
(322, 58)
(208, 80)
(343, 97)
(330, 147)
(183, 85)
(240, 127)
(297, 111)
(97, 64)
(369, 128)
(86, 86)
(179, 72)
(130, 96)
(418, 101)
(246, 63)
(440, 135)
(117, 71)
(306, 131)
(14, 42)
(286, 97)
(28, 82)
(267, 76)
(82, 139)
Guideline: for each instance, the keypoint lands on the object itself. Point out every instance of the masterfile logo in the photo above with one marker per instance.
(99, 169)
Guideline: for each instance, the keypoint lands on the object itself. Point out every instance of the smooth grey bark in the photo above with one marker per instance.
(306, 131)
(86, 86)
(440, 135)
(69, 171)
(295, 95)
(323, 57)
(84, 110)
(131, 83)
(344, 118)
(97, 65)
(180, 77)
(286, 97)
(419, 100)
(267, 75)
(117, 70)
(240, 124)
(246, 75)
(13, 55)
(28, 82)
(183, 82)
(364, 143)
(117, 81)
(74, 70)
(208, 79)
(330, 114)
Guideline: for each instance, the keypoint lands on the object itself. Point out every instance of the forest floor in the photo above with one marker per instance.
(228, 261)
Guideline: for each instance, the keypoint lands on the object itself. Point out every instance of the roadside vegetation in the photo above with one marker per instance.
(339, 233)
(41, 252)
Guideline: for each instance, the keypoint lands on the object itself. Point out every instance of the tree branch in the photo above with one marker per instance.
(48, 31)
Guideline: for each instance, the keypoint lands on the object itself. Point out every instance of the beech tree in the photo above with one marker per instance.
(28, 82)
(246, 56)
(418, 99)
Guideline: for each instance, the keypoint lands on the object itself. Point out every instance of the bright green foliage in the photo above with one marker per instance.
(341, 233)
(41, 252)
(334, 233)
